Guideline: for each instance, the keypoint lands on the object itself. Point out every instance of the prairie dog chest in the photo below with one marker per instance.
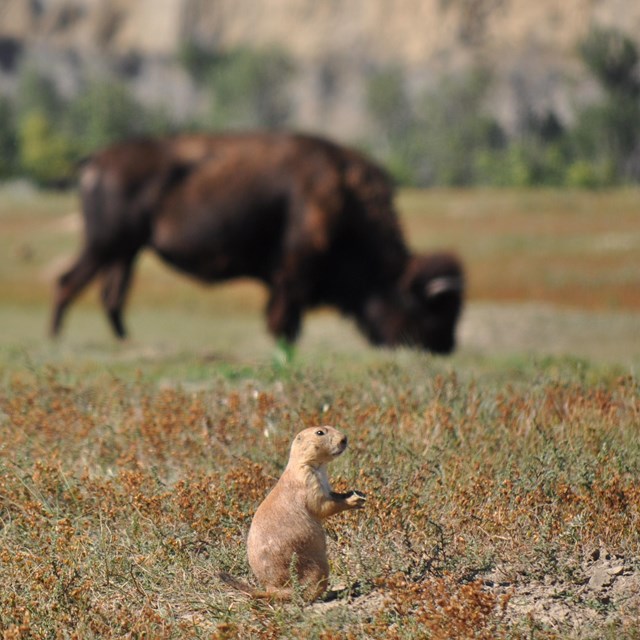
(317, 490)
(321, 477)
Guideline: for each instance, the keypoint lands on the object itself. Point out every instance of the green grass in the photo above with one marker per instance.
(498, 479)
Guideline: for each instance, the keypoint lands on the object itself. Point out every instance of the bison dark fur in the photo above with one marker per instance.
(312, 220)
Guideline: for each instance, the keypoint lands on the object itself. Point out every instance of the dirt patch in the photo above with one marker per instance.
(604, 593)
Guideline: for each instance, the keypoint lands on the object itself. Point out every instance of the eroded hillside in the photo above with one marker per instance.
(530, 47)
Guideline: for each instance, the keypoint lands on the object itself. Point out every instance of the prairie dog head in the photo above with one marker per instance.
(317, 445)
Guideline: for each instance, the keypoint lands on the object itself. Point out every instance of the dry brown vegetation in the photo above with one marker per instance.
(503, 492)
(120, 502)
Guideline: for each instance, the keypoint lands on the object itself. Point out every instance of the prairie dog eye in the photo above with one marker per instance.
(320, 432)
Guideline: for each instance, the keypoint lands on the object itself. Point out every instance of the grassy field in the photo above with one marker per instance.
(503, 482)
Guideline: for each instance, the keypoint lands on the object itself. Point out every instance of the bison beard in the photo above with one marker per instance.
(312, 220)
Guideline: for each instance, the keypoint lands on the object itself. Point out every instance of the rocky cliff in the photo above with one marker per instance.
(530, 47)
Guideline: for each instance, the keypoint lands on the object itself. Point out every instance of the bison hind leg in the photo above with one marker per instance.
(116, 280)
(70, 284)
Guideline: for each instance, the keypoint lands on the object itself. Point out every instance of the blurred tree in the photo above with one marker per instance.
(8, 140)
(36, 91)
(389, 105)
(391, 111)
(251, 89)
(613, 59)
(45, 154)
(103, 112)
(454, 129)
(197, 60)
(536, 155)
(608, 134)
(440, 137)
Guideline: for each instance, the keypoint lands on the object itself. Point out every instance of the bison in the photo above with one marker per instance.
(313, 220)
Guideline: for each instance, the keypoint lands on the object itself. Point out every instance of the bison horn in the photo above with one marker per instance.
(443, 284)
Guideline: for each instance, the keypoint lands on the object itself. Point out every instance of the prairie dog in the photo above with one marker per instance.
(289, 520)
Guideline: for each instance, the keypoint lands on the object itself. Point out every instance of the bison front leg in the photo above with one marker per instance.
(287, 300)
(284, 315)
(296, 276)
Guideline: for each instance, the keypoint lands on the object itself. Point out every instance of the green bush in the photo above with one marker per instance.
(587, 175)
(41, 149)
(504, 168)
(45, 155)
(52, 135)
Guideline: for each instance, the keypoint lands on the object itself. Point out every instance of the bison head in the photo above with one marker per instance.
(422, 310)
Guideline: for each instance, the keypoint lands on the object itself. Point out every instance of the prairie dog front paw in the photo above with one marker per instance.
(356, 500)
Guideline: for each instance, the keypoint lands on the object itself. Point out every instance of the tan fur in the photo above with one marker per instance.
(286, 532)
